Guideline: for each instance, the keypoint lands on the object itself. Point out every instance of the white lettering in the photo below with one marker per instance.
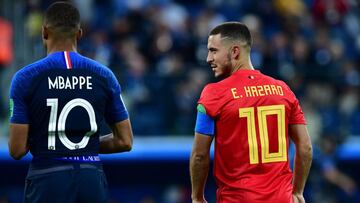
(88, 83)
(52, 84)
(61, 82)
(82, 82)
(68, 83)
(73, 82)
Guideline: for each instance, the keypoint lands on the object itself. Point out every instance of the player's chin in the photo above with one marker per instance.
(217, 74)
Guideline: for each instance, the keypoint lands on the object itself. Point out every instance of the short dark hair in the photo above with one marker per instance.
(62, 17)
(234, 31)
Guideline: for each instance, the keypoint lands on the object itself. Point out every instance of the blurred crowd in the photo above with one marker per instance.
(157, 49)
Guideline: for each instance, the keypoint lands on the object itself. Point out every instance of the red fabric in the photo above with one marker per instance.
(237, 179)
(321, 7)
(6, 49)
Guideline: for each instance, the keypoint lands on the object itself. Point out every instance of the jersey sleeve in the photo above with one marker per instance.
(115, 108)
(210, 100)
(18, 106)
(297, 115)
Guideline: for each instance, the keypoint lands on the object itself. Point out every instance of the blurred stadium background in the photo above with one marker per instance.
(157, 49)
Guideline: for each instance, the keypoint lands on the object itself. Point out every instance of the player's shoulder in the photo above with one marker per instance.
(94, 66)
(35, 65)
(212, 90)
(220, 87)
(276, 81)
(284, 86)
(212, 87)
(30, 70)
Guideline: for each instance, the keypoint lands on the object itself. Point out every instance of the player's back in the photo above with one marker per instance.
(66, 95)
(252, 113)
(64, 99)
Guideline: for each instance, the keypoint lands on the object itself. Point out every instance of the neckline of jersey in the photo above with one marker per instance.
(61, 52)
(247, 71)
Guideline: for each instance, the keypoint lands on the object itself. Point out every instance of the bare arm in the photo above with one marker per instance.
(303, 157)
(18, 140)
(199, 166)
(120, 140)
(340, 179)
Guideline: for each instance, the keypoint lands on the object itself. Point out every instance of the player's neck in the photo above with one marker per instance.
(56, 46)
(244, 64)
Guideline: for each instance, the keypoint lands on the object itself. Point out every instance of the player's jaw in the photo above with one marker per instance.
(215, 69)
(221, 70)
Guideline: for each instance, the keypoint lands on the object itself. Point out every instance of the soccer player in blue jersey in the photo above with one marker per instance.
(58, 105)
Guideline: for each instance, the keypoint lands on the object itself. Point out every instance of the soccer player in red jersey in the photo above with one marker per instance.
(251, 116)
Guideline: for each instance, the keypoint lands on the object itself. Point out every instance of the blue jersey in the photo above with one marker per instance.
(65, 98)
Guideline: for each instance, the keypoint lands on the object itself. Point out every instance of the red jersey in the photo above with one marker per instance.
(252, 113)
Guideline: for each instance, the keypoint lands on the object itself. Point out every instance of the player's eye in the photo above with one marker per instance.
(212, 50)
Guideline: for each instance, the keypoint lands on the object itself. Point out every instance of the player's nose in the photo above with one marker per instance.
(209, 58)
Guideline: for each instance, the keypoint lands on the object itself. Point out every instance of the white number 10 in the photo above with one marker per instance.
(53, 103)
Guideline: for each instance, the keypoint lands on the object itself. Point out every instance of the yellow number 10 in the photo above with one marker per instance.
(263, 112)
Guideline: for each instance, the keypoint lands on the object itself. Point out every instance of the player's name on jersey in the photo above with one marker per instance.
(71, 83)
(81, 158)
(258, 90)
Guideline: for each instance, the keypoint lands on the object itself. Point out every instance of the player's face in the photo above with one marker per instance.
(218, 56)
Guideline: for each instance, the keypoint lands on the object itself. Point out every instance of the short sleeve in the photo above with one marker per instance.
(210, 100)
(297, 115)
(115, 108)
(18, 106)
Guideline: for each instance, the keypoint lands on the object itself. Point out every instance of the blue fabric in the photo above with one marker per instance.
(204, 124)
(25, 80)
(72, 185)
(41, 91)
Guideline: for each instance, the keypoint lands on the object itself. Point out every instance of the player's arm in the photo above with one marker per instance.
(116, 115)
(199, 166)
(19, 119)
(303, 157)
(200, 155)
(335, 176)
(120, 140)
(18, 145)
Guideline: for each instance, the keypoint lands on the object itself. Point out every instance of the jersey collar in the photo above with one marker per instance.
(241, 72)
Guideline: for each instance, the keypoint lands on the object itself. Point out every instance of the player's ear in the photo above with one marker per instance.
(79, 34)
(45, 32)
(235, 52)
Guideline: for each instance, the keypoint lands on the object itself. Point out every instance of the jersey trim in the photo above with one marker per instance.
(11, 106)
(67, 60)
(201, 108)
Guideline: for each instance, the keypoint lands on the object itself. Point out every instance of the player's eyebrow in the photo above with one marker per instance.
(212, 49)
(223, 38)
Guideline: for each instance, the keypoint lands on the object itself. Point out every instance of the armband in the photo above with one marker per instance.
(204, 123)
